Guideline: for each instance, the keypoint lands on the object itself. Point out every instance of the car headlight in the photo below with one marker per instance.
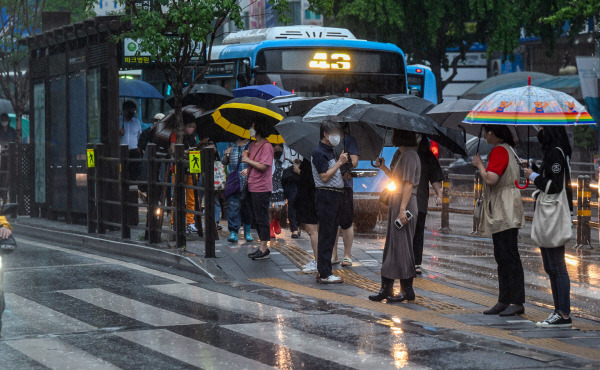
(391, 186)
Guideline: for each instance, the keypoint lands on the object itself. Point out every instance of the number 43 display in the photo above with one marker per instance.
(334, 61)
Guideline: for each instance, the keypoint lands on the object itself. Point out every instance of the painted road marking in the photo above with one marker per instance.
(317, 346)
(431, 318)
(190, 351)
(47, 320)
(223, 301)
(59, 355)
(131, 308)
(113, 261)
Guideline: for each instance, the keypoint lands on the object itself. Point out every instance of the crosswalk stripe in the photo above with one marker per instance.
(131, 308)
(55, 354)
(223, 301)
(113, 261)
(317, 346)
(190, 351)
(46, 320)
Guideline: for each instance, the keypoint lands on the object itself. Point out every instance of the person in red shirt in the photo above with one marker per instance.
(502, 217)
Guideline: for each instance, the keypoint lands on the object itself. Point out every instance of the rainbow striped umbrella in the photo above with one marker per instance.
(529, 105)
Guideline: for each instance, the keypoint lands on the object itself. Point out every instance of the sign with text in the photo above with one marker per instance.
(133, 56)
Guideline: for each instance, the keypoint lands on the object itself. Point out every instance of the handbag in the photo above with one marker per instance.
(552, 217)
(232, 183)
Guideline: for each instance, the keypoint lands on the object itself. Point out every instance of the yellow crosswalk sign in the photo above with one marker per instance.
(195, 165)
(91, 158)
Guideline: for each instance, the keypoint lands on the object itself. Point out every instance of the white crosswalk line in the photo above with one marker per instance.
(190, 351)
(59, 355)
(46, 320)
(317, 346)
(113, 261)
(223, 301)
(131, 308)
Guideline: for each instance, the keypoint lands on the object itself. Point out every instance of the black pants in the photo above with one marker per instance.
(290, 189)
(419, 238)
(556, 268)
(260, 208)
(511, 281)
(328, 204)
(135, 168)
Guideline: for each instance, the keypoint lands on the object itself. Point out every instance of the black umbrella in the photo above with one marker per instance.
(452, 113)
(299, 105)
(300, 136)
(411, 103)
(451, 139)
(205, 96)
(206, 128)
(390, 117)
(237, 116)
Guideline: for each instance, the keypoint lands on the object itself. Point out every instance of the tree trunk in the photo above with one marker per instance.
(19, 126)
(436, 68)
(179, 107)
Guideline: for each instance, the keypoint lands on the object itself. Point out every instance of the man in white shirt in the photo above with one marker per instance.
(131, 129)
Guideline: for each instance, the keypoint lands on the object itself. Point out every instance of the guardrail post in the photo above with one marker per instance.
(124, 189)
(445, 217)
(12, 173)
(91, 190)
(210, 233)
(179, 195)
(98, 175)
(153, 191)
(477, 189)
(584, 213)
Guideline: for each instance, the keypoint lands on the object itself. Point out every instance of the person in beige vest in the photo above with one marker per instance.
(502, 216)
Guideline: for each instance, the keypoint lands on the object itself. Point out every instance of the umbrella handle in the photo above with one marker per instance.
(522, 187)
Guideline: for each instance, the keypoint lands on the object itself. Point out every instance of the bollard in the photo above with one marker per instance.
(98, 152)
(584, 213)
(179, 197)
(445, 217)
(477, 189)
(91, 189)
(211, 233)
(153, 190)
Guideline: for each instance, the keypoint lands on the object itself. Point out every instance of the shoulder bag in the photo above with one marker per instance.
(552, 217)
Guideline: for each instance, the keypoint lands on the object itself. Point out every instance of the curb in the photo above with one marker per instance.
(196, 264)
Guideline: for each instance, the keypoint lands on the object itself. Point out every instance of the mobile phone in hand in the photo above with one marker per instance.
(398, 223)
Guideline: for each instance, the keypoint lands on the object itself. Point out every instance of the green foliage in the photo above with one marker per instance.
(585, 137)
(80, 9)
(574, 10)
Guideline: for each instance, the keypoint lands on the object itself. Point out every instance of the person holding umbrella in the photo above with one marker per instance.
(259, 158)
(502, 216)
(398, 256)
(131, 129)
(551, 178)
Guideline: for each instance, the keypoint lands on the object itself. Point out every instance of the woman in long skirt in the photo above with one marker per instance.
(398, 256)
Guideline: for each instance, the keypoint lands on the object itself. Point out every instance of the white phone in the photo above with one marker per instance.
(398, 223)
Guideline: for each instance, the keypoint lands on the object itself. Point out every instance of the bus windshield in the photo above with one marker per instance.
(354, 73)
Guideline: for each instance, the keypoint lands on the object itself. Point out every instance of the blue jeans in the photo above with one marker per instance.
(556, 268)
(290, 190)
(238, 213)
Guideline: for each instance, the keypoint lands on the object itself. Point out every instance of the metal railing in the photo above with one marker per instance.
(111, 190)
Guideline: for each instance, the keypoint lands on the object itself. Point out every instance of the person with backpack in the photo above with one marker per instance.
(239, 211)
(554, 177)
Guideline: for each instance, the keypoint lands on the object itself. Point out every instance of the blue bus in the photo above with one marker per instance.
(317, 61)
(421, 77)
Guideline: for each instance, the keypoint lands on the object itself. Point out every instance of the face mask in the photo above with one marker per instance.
(252, 132)
(334, 139)
(278, 154)
(189, 130)
(4, 123)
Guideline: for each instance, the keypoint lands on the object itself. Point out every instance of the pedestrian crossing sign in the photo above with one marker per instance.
(91, 158)
(195, 165)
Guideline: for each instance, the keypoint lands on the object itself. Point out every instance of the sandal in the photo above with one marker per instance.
(335, 262)
(346, 262)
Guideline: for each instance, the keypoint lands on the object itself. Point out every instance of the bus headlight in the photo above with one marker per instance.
(391, 186)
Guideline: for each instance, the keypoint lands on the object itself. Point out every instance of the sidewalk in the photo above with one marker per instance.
(457, 285)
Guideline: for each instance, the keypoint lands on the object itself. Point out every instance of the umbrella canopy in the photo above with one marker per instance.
(237, 116)
(411, 103)
(529, 105)
(330, 108)
(205, 96)
(299, 105)
(453, 140)
(452, 113)
(206, 128)
(300, 136)
(131, 88)
(390, 117)
(266, 92)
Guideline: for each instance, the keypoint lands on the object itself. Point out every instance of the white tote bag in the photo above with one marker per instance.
(552, 223)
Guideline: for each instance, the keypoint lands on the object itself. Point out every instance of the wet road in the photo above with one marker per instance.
(71, 309)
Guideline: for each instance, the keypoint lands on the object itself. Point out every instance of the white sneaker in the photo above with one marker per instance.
(310, 268)
(191, 228)
(332, 279)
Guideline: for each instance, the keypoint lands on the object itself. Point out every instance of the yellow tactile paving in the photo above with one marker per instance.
(429, 317)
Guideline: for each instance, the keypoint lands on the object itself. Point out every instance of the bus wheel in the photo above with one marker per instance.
(365, 222)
